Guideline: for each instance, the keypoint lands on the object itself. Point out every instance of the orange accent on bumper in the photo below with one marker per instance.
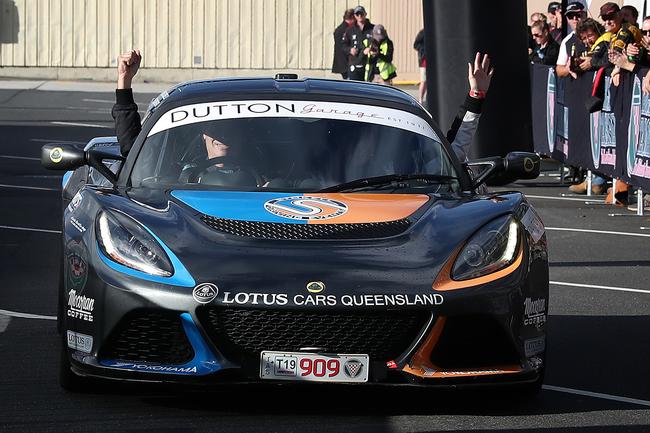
(373, 208)
(421, 365)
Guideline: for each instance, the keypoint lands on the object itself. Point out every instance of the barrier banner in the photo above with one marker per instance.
(634, 151)
(614, 141)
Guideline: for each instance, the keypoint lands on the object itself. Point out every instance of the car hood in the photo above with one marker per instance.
(409, 260)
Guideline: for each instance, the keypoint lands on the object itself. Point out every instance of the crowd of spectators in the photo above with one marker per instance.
(615, 44)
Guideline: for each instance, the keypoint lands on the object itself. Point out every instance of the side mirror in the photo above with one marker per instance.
(515, 165)
(66, 157)
(62, 157)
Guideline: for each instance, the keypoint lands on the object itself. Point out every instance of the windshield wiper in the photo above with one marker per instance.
(393, 180)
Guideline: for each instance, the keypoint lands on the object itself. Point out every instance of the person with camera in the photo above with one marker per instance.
(571, 47)
(353, 43)
(379, 54)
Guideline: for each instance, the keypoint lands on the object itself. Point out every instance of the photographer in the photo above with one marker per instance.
(379, 54)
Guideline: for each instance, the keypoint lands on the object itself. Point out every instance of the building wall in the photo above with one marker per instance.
(183, 39)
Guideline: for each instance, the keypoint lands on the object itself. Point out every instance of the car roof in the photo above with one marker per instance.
(305, 88)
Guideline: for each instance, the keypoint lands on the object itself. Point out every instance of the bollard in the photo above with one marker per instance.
(588, 183)
(613, 192)
(561, 174)
(639, 202)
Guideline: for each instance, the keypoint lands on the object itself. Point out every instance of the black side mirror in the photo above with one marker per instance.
(66, 157)
(515, 166)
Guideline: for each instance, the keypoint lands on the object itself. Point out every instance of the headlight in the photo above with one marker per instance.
(128, 243)
(492, 248)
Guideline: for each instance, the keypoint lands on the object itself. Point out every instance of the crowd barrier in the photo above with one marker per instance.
(614, 141)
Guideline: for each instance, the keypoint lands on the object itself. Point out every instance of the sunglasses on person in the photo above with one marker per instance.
(646, 32)
(537, 35)
(573, 16)
(609, 17)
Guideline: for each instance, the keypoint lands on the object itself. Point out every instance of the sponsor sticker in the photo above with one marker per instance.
(219, 110)
(77, 266)
(75, 202)
(534, 312)
(533, 223)
(153, 367)
(353, 368)
(56, 155)
(320, 300)
(76, 224)
(534, 346)
(80, 306)
(205, 293)
(306, 208)
(80, 342)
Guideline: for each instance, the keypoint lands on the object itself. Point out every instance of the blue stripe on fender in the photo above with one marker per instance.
(235, 205)
(66, 177)
(204, 361)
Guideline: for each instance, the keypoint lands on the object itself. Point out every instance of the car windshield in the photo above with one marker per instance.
(292, 146)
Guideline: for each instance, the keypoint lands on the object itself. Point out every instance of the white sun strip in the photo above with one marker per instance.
(597, 395)
(593, 286)
(26, 315)
(211, 111)
(28, 229)
(601, 232)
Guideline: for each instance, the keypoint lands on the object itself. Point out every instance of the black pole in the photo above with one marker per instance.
(565, 24)
(455, 30)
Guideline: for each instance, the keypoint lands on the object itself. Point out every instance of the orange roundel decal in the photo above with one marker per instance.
(372, 208)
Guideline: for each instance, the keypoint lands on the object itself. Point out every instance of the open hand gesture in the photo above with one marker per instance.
(480, 74)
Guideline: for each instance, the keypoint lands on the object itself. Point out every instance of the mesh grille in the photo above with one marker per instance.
(264, 230)
(384, 335)
(151, 337)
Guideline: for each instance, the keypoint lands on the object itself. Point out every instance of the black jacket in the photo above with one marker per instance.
(419, 46)
(340, 63)
(354, 37)
(127, 119)
(547, 55)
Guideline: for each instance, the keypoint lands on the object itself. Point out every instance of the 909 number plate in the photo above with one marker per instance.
(314, 367)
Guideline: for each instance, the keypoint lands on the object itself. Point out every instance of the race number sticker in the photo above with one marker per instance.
(533, 224)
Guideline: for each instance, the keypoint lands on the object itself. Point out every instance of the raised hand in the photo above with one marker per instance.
(480, 74)
(127, 66)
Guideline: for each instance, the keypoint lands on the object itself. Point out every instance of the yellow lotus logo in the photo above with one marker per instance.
(315, 287)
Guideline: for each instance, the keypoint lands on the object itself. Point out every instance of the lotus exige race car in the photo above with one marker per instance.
(334, 237)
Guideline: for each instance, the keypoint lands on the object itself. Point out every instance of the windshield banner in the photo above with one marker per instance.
(212, 111)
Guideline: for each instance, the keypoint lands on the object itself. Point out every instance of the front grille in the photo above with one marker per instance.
(242, 334)
(149, 336)
(265, 230)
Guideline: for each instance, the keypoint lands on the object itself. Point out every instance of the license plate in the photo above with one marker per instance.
(314, 367)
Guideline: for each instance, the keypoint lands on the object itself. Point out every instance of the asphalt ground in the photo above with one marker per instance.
(598, 328)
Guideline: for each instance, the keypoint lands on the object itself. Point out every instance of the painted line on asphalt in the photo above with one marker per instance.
(105, 101)
(29, 229)
(546, 197)
(593, 286)
(56, 140)
(26, 315)
(600, 232)
(90, 125)
(39, 188)
(597, 395)
(4, 323)
(29, 158)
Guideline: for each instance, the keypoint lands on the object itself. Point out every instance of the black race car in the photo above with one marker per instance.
(297, 230)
